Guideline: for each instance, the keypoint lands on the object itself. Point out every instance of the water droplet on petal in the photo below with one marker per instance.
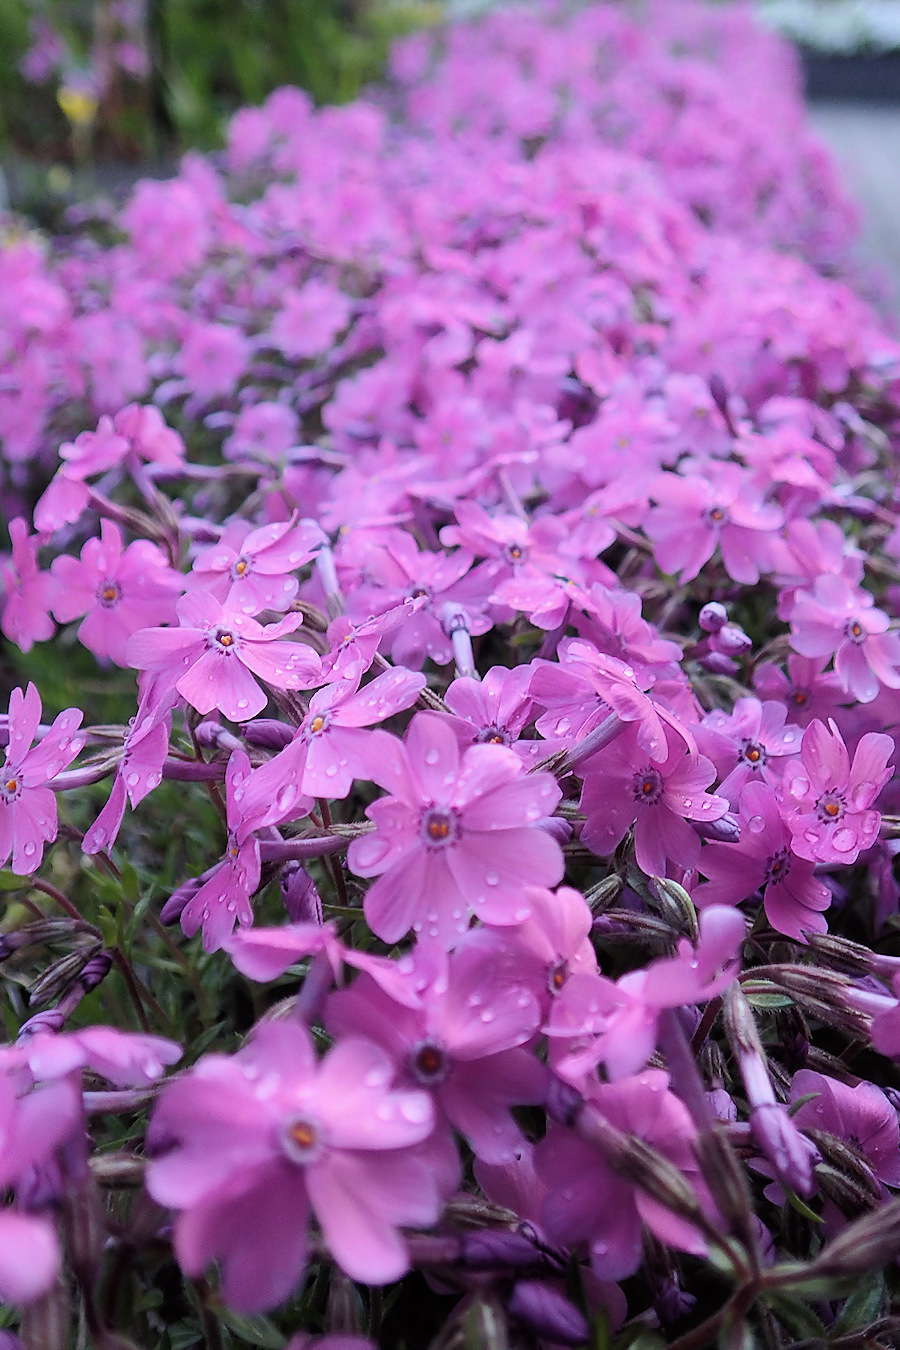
(799, 787)
(491, 879)
(756, 824)
(416, 1108)
(431, 757)
(844, 840)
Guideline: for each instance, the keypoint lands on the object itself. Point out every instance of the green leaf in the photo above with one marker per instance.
(10, 881)
(800, 1205)
(863, 1306)
(254, 1330)
(796, 1315)
(769, 1001)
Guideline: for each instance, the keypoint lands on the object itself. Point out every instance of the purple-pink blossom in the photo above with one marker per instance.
(28, 816)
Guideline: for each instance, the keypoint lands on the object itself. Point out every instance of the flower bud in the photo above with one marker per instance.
(547, 1313)
(300, 895)
(731, 641)
(179, 900)
(717, 663)
(713, 617)
(268, 733)
(496, 1249)
(864, 1245)
(725, 830)
(676, 904)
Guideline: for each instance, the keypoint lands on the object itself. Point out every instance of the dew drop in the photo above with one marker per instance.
(431, 757)
(799, 787)
(133, 779)
(415, 1108)
(756, 824)
(491, 879)
(844, 840)
(29, 849)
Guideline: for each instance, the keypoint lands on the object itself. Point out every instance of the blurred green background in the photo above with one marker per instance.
(93, 81)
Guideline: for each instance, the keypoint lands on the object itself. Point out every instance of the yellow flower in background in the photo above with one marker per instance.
(78, 104)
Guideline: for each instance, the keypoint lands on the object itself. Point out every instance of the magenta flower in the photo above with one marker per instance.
(248, 1147)
(805, 689)
(353, 645)
(841, 619)
(623, 786)
(27, 805)
(495, 709)
(763, 859)
(725, 507)
(28, 593)
(329, 748)
(460, 833)
(590, 1205)
(212, 658)
(596, 1020)
(862, 1116)
(254, 799)
(251, 570)
(118, 591)
(749, 745)
(138, 772)
(452, 1026)
(828, 801)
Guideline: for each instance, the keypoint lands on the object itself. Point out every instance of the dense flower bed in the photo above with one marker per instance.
(491, 486)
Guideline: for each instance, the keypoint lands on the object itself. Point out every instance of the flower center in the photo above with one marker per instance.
(493, 735)
(716, 514)
(240, 567)
(514, 552)
(800, 698)
(648, 786)
(855, 631)
(438, 827)
(225, 639)
(429, 1063)
(778, 867)
(557, 977)
(108, 594)
(11, 786)
(754, 754)
(317, 724)
(830, 807)
(300, 1139)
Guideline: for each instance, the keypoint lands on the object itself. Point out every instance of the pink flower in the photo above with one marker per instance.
(841, 619)
(452, 1025)
(27, 806)
(309, 320)
(118, 591)
(828, 801)
(748, 746)
(590, 1204)
(254, 799)
(250, 570)
(806, 691)
(623, 786)
(460, 833)
(725, 507)
(28, 592)
(495, 709)
(329, 748)
(247, 1147)
(764, 859)
(213, 358)
(212, 658)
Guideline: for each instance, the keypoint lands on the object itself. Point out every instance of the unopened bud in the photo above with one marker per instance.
(96, 971)
(268, 733)
(345, 1310)
(677, 905)
(713, 617)
(725, 830)
(496, 1249)
(300, 895)
(179, 900)
(606, 892)
(58, 978)
(547, 1313)
(717, 663)
(731, 640)
(563, 1102)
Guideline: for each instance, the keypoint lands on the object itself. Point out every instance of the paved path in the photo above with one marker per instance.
(866, 144)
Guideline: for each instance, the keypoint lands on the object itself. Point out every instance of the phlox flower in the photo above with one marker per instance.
(247, 1148)
(725, 507)
(610, 618)
(828, 801)
(309, 319)
(590, 1204)
(212, 359)
(861, 1115)
(138, 772)
(495, 710)
(624, 787)
(117, 590)
(213, 657)
(250, 570)
(452, 1025)
(597, 1020)
(748, 745)
(27, 805)
(254, 799)
(763, 859)
(460, 833)
(330, 747)
(838, 618)
(28, 593)
(807, 690)
(353, 645)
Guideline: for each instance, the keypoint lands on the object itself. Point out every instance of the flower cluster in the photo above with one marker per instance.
(487, 501)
